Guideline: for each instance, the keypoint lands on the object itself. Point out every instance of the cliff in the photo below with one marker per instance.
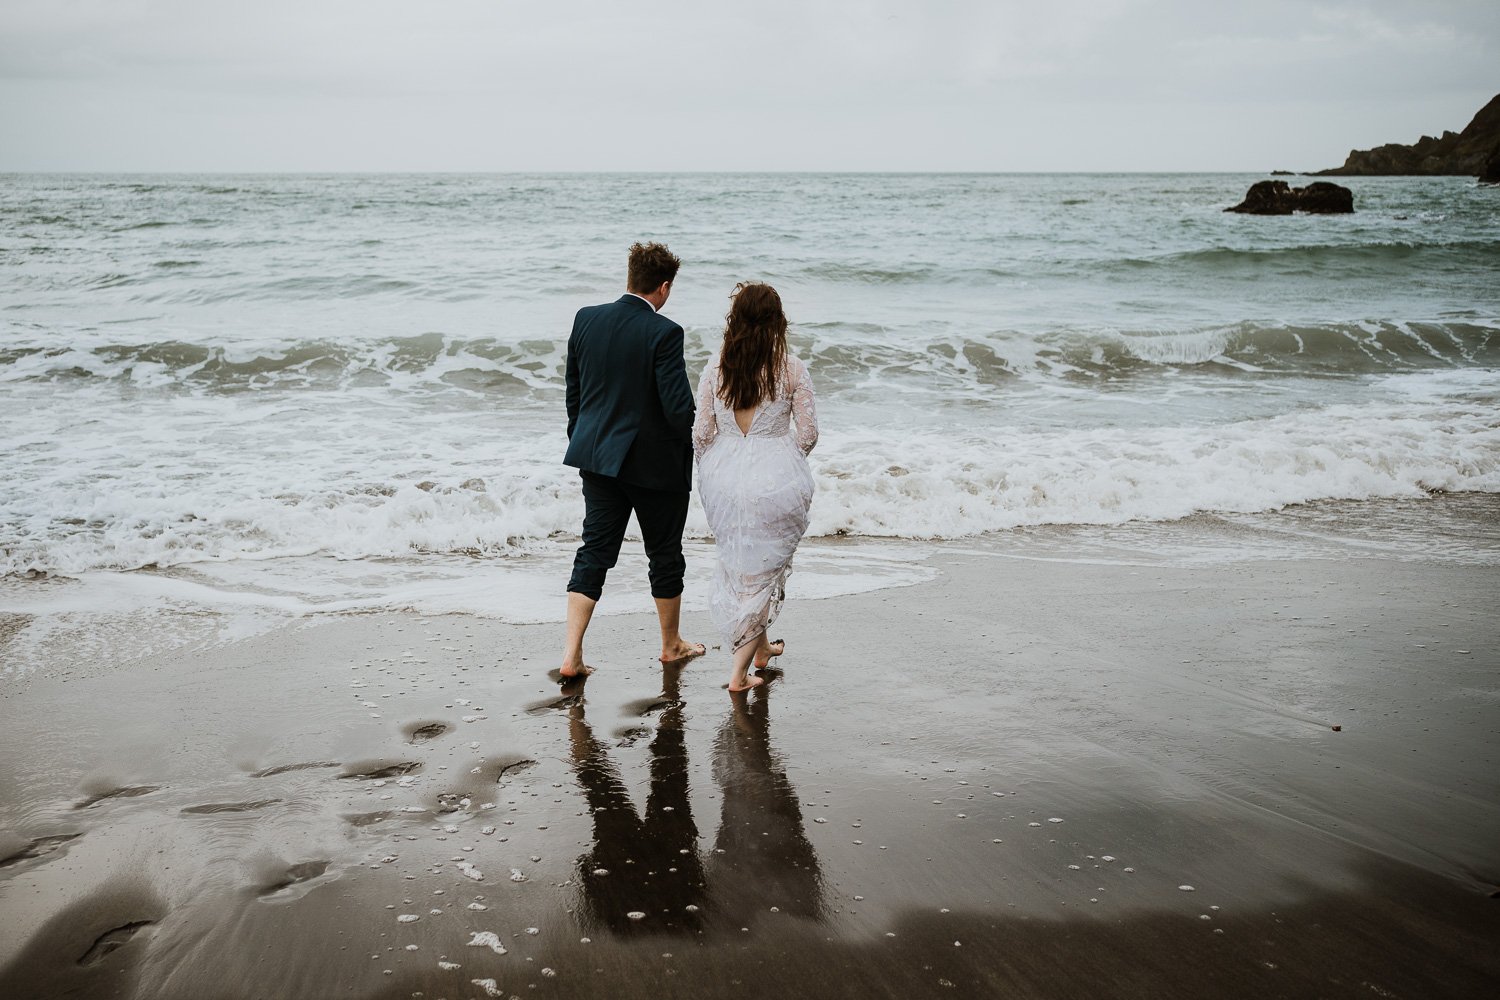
(1467, 153)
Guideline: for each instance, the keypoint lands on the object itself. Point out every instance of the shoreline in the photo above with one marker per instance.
(281, 801)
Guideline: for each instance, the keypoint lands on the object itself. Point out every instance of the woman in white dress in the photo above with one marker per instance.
(756, 422)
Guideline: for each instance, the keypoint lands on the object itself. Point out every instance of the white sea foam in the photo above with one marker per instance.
(123, 501)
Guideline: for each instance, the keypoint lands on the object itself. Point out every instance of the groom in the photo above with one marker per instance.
(630, 425)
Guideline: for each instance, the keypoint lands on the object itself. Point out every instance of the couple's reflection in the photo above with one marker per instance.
(646, 873)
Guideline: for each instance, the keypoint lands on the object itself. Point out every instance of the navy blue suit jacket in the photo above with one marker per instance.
(630, 408)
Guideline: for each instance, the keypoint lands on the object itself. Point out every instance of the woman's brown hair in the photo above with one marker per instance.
(754, 346)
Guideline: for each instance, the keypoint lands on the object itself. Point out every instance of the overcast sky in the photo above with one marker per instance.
(190, 85)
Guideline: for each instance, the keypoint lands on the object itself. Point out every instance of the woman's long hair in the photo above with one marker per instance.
(754, 346)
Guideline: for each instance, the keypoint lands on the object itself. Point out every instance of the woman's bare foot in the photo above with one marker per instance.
(746, 684)
(766, 651)
(682, 651)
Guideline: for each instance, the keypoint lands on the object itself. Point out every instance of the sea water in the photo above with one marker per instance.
(295, 393)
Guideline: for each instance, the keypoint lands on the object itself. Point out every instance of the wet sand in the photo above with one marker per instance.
(1027, 778)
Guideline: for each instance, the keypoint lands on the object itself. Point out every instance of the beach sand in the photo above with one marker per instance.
(1027, 778)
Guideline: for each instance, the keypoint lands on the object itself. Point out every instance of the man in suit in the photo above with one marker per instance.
(630, 425)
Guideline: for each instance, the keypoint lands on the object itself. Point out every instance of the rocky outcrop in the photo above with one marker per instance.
(1463, 154)
(1280, 198)
(1491, 172)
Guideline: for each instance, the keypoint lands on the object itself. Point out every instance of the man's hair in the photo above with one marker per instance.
(650, 265)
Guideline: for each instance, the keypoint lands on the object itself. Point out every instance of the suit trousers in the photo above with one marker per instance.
(607, 506)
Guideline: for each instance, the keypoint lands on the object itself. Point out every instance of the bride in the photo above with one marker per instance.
(752, 472)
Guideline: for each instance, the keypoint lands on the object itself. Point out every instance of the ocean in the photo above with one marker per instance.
(226, 400)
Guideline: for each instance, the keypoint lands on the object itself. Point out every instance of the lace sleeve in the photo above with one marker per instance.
(804, 407)
(706, 424)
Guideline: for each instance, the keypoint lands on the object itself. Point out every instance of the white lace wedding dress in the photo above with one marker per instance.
(756, 489)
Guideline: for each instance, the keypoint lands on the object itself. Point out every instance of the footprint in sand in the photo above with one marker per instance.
(649, 706)
(505, 767)
(381, 769)
(297, 874)
(128, 792)
(228, 807)
(110, 940)
(38, 848)
(284, 768)
(554, 704)
(421, 732)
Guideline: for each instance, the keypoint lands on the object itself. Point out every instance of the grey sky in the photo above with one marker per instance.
(706, 85)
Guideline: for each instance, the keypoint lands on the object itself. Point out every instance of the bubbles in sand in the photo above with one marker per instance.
(550, 973)
(487, 939)
(409, 918)
(691, 907)
(487, 830)
(533, 931)
(601, 871)
(1107, 857)
(478, 906)
(1054, 819)
(1033, 824)
(489, 987)
(469, 871)
(449, 966)
(516, 875)
(1186, 888)
(636, 915)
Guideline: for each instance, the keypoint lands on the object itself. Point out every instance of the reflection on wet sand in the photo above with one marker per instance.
(646, 874)
(762, 857)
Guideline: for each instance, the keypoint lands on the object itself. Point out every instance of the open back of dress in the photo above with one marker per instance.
(757, 490)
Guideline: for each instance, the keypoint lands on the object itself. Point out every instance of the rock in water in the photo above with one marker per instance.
(1280, 198)
(1267, 198)
(1323, 198)
(1491, 172)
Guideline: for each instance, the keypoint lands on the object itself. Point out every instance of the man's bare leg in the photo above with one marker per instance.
(673, 646)
(580, 611)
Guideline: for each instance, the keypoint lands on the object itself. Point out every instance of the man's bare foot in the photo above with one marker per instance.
(750, 682)
(766, 651)
(683, 651)
(573, 671)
